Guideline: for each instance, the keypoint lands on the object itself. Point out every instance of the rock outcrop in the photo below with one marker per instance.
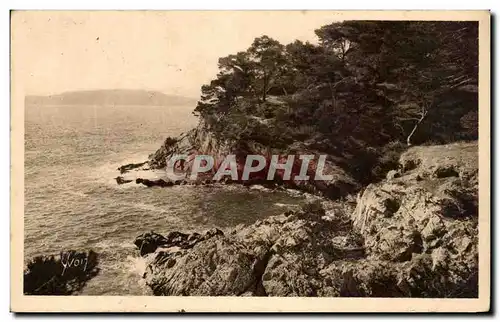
(201, 141)
(411, 235)
(63, 274)
(154, 183)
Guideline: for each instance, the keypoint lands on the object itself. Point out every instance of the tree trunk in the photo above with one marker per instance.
(408, 139)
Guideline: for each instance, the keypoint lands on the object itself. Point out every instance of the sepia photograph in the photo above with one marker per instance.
(249, 156)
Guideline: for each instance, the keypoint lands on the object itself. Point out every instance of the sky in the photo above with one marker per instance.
(173, 52)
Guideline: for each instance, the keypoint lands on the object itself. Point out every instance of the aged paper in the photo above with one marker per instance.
(250, 161)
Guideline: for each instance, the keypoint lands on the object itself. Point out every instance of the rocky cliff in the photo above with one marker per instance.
(413, 234)
(202, 141)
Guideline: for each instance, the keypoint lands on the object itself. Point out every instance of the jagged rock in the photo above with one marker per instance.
(443, 160)
(439, 274)
(215, 267)
(256, 254)
(414, 236)
(433, 230)
(395, 216)
(127, 167)
(154, 183)
(149, 242)
(63, 274)
(213, 232)
(363, 278)
(121, 180)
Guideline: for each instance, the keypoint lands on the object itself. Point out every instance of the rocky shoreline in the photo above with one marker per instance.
(413, 234)
(200, 141)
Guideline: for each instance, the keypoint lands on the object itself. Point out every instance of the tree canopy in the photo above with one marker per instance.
(364, 84)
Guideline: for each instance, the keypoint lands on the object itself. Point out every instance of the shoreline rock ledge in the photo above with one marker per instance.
(413, 234)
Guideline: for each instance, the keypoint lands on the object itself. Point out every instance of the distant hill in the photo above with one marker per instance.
(111, 97)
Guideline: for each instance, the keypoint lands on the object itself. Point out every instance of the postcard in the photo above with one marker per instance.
(250, 161)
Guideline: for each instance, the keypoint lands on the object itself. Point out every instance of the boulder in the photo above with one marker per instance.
(63, 274)
(149, 242)
(215, 267)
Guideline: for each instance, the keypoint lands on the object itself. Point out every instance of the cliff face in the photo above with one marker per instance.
(197, 139)
(202, 141)
(413, 234)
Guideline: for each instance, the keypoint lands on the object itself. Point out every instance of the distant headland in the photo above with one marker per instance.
(111, 97)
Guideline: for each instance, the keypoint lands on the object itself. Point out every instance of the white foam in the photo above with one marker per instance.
(137, 265)
(259, 188)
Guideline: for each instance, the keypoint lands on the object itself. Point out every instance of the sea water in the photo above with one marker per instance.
(73, 202)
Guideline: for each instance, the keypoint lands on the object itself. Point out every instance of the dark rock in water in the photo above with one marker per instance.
(154, 183)
(176, 239)
(63, 274)
(213, 232)
(201, 140)
(194, 237)
(120, 180)
(131, 166)
(149, 242)
(170, 141)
